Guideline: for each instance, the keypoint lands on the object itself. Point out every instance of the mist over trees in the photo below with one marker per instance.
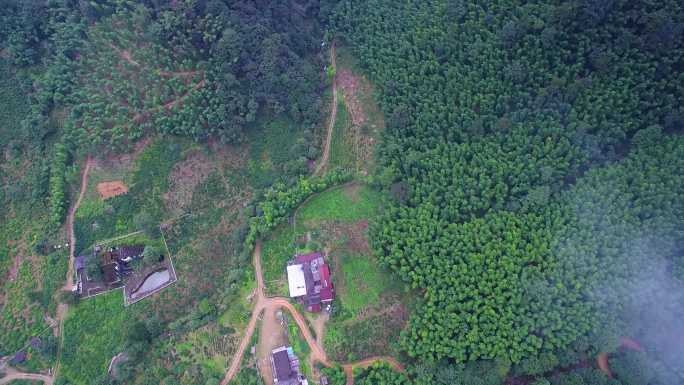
(537, 147)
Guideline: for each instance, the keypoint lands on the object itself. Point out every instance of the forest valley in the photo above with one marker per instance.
(529, 178)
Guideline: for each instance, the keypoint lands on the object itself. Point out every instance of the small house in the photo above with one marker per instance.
(19, 358)
(115, 262)
(309, 281)
(285, 367)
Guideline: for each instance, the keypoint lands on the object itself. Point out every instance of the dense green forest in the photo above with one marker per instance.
(534, 155)
(532, 166)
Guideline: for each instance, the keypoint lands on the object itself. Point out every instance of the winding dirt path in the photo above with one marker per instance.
(272, 304)
(62, 308)
(333, 115)
(13, 374)
(70, 224)
(264, 303)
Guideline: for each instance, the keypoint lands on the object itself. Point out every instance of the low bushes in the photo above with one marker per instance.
(279, 202)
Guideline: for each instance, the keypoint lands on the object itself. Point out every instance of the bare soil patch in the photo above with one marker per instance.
(351, 191)
(14, 269)
(392, 309)
(185, 177)
(271, 336)
(126, 55)
(357, 237)
(111, 189)
(350, 84)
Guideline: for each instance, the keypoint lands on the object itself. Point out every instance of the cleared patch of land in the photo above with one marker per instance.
(360, 120)
(111, 189)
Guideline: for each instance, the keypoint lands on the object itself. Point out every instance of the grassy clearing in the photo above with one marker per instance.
(316, 229)
(342, 145)
(276, 250)
(98, 220)
(93, 334)
(364, 281)
(348, 203)
(356, 339)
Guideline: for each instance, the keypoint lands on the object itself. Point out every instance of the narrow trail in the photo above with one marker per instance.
(128, 57)
(62, 308)
(271, 304)
(142, 116)
(13, 374)
(333, 116)
(70, 224)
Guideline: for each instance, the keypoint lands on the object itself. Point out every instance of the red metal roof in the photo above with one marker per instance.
(327, 290)
(307, 257)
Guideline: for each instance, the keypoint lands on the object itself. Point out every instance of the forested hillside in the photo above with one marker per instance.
(527, 186)
(534, 154)
(172, 98)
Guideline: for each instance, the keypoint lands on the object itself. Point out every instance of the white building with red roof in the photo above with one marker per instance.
(308, 278)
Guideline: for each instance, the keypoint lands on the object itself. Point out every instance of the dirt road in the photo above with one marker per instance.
(70, 224)
(333, 115)
(271, 305)
(62, 308)
(12, 374)
(258, 308)
(26, 376)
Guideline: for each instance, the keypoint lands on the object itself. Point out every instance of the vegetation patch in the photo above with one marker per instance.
(142, 208)
(352, 202)
(278, 151)
(342, 144)
(14, 88)
(361, 281)
(28, 279)
(94, 332)
(365, 120)
(276, 251)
